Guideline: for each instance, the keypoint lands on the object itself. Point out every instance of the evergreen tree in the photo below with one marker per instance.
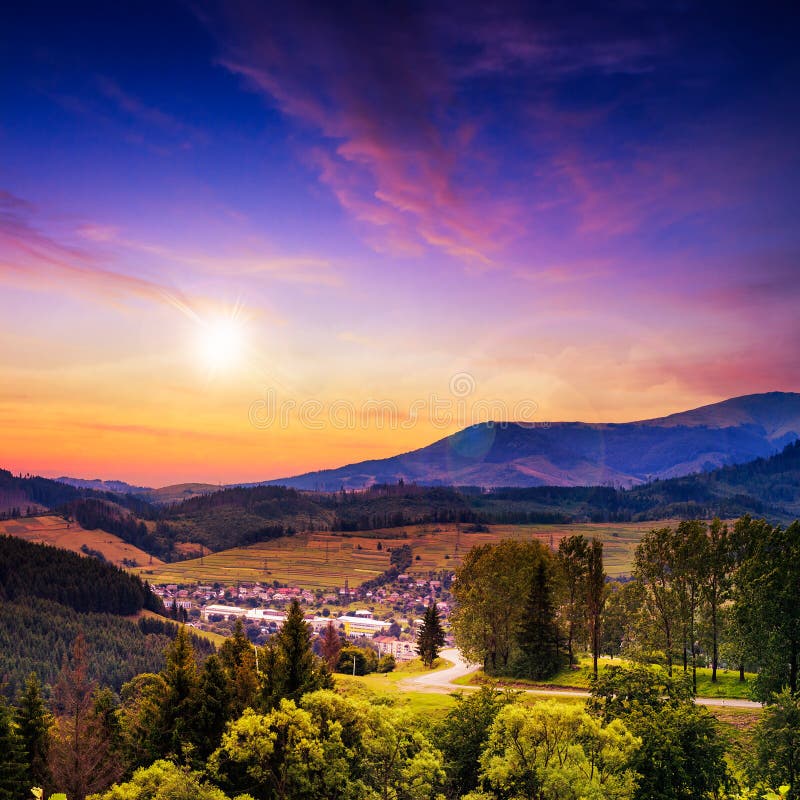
(237, 657)
(33, 723)
(538, 636)
(331, 646)
(430, 638)
(213, 707)
(13, 772)
(301, 672)
(181, 680)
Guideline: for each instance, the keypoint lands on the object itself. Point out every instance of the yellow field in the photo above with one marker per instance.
(55, 531)
(324, 560)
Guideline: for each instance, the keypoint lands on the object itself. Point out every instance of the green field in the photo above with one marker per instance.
(324, 560)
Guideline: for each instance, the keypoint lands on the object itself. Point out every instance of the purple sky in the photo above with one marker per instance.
(590, 208)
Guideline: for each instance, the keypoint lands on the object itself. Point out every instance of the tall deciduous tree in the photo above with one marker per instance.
(573, 558)
(717, 583)
(595, 596)
(654, 567)
(767, 607)
(490, 590)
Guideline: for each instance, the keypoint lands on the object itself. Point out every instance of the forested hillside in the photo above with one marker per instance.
(83, 584)
(48, 596)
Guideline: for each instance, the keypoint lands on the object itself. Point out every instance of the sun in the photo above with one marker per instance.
(221, 343)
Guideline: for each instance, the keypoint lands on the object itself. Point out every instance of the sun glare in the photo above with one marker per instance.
(221, 343)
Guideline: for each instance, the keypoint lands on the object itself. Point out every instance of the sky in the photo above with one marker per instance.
(242, 240)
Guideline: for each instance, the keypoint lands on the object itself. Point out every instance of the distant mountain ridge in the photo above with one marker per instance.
(583, 454)
(99, 485)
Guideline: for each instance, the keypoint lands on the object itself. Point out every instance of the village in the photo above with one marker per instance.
(385, 618)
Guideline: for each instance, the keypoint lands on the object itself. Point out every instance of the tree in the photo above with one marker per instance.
(595, 596)
(691, 565)
(717, 583)
(163, 780)
(293, 668)
(214, 708)
(331, 645)
(430, 638)
(13, 768)
(767, 588)
(180, 698)
(237, 657)
(540, 655)
(654, 567)
(489, 589)
(462, 735)
(80, 757)
(33, 724)
(275, 755)
(777, 743)
(682, 755)
(573, 558)
(552, 751)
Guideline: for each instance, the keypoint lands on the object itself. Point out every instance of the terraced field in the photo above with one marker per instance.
(326, 560)
(55, 531)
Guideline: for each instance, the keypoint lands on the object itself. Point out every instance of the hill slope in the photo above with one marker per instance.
(584, 454)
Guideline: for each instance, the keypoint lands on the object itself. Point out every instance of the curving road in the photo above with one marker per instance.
(442, 681)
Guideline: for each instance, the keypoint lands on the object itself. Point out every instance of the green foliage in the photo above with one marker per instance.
(777, 744)
(33, 724)
(357, 660)
(35, 635)
(163, 780)
(767, 587)
(84, 584)
(682, 756)
(538, 636)
(490, 589)
(462, 735)
(553, 751)
(430, 638)
(13, 766)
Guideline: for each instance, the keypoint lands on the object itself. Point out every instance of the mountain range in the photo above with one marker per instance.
(583, 454)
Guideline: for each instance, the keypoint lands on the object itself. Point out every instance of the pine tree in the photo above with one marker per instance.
(331, 646)
(294, 647)
(213, 708)
(538, 637)
(13, 772)
(431, 636)
(33, 722)
(181, 679)
(237, 658)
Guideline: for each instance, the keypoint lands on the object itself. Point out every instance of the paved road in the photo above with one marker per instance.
(441, 681)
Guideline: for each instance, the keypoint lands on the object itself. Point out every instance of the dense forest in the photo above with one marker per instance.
(49, 596)
(84, 584)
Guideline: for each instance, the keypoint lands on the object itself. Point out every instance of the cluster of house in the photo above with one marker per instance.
(250, 602)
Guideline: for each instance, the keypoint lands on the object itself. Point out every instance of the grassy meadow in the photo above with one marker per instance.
(323, 560)
(579, 677)
(53, 530)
